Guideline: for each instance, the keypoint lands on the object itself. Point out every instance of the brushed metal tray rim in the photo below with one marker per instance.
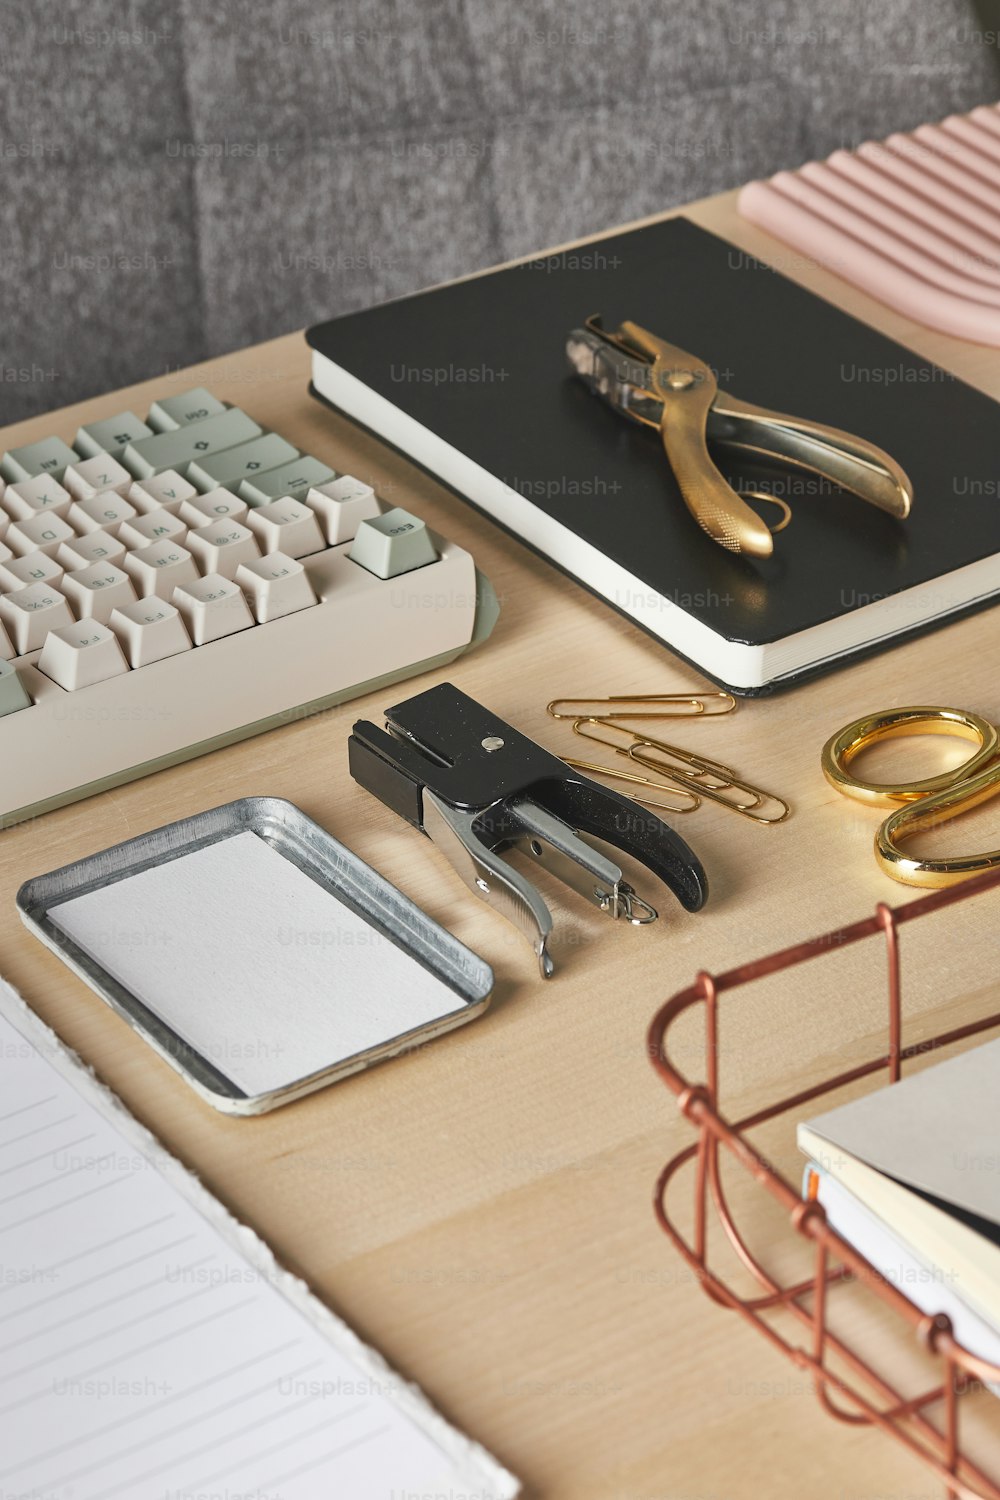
(332, 865)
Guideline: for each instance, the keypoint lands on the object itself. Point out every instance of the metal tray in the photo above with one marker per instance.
(339, 872)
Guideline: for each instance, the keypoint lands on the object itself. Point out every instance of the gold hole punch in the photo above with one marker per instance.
(656, 383)
(710, 780)
(924, 803)
(701, 706)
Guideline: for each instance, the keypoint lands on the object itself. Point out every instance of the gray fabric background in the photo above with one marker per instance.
(182, 179)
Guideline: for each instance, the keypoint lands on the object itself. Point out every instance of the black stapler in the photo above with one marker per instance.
(478, 787)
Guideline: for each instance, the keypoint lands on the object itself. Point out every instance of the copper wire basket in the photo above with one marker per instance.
(846, 1381)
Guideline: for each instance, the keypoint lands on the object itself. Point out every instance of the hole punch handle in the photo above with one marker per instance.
(850, 462)
(715, 505)
(605, 814)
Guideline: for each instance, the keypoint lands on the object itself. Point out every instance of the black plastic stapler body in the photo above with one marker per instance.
(478, 787)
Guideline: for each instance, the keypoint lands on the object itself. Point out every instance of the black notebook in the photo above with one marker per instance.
(471, 381)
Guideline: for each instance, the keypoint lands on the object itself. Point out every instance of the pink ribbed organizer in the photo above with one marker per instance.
(913, 220)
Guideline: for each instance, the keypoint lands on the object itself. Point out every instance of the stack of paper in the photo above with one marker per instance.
(910, 1175)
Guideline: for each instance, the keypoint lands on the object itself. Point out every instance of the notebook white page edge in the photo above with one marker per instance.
(928, 1231)
(741, 665)
(406, 1395)
(934, 1131)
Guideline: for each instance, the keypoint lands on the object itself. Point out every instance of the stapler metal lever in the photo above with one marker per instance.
(478, 787)
(661, 386)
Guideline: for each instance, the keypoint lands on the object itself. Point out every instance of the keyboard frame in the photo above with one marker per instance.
(350, 643)
(107, 730)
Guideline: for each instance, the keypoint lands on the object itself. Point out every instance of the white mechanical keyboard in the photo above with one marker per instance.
(174, 585)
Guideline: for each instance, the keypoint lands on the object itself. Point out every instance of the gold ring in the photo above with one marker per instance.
(892, 723)
(935, 873)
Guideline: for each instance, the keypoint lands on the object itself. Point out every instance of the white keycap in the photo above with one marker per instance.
(38, 496)
(7, 652)
(157, 525)
(104, 511)
(392, 544)
(159, 568)
(96, 546)
(96, 590)
(275, 585)
(34, 567)
(288, 526)
(38, 534)
(213, 606)
(341, 506)
(168, 490)
(14, 694)
(77, 656)
(221, 546)
(217, 505)
(149, 630)
(92, 475)
(30, 613)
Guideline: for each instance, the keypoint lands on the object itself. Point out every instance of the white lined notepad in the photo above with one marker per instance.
(152, 1349)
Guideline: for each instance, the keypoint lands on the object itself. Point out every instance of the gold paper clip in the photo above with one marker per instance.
(593, 769)
(709, 779)
(700, 705)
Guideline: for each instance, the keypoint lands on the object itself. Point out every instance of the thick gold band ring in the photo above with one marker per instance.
(932, 811)
(893, 723)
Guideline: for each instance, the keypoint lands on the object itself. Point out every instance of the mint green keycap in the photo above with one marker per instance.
(175, 450)
(13, 693)
(228, 468)
(392, 543)
(113, 435)
(50, 456)
(291, 479)
(183, 409)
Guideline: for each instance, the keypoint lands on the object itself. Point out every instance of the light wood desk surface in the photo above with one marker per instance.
(481, 1209)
